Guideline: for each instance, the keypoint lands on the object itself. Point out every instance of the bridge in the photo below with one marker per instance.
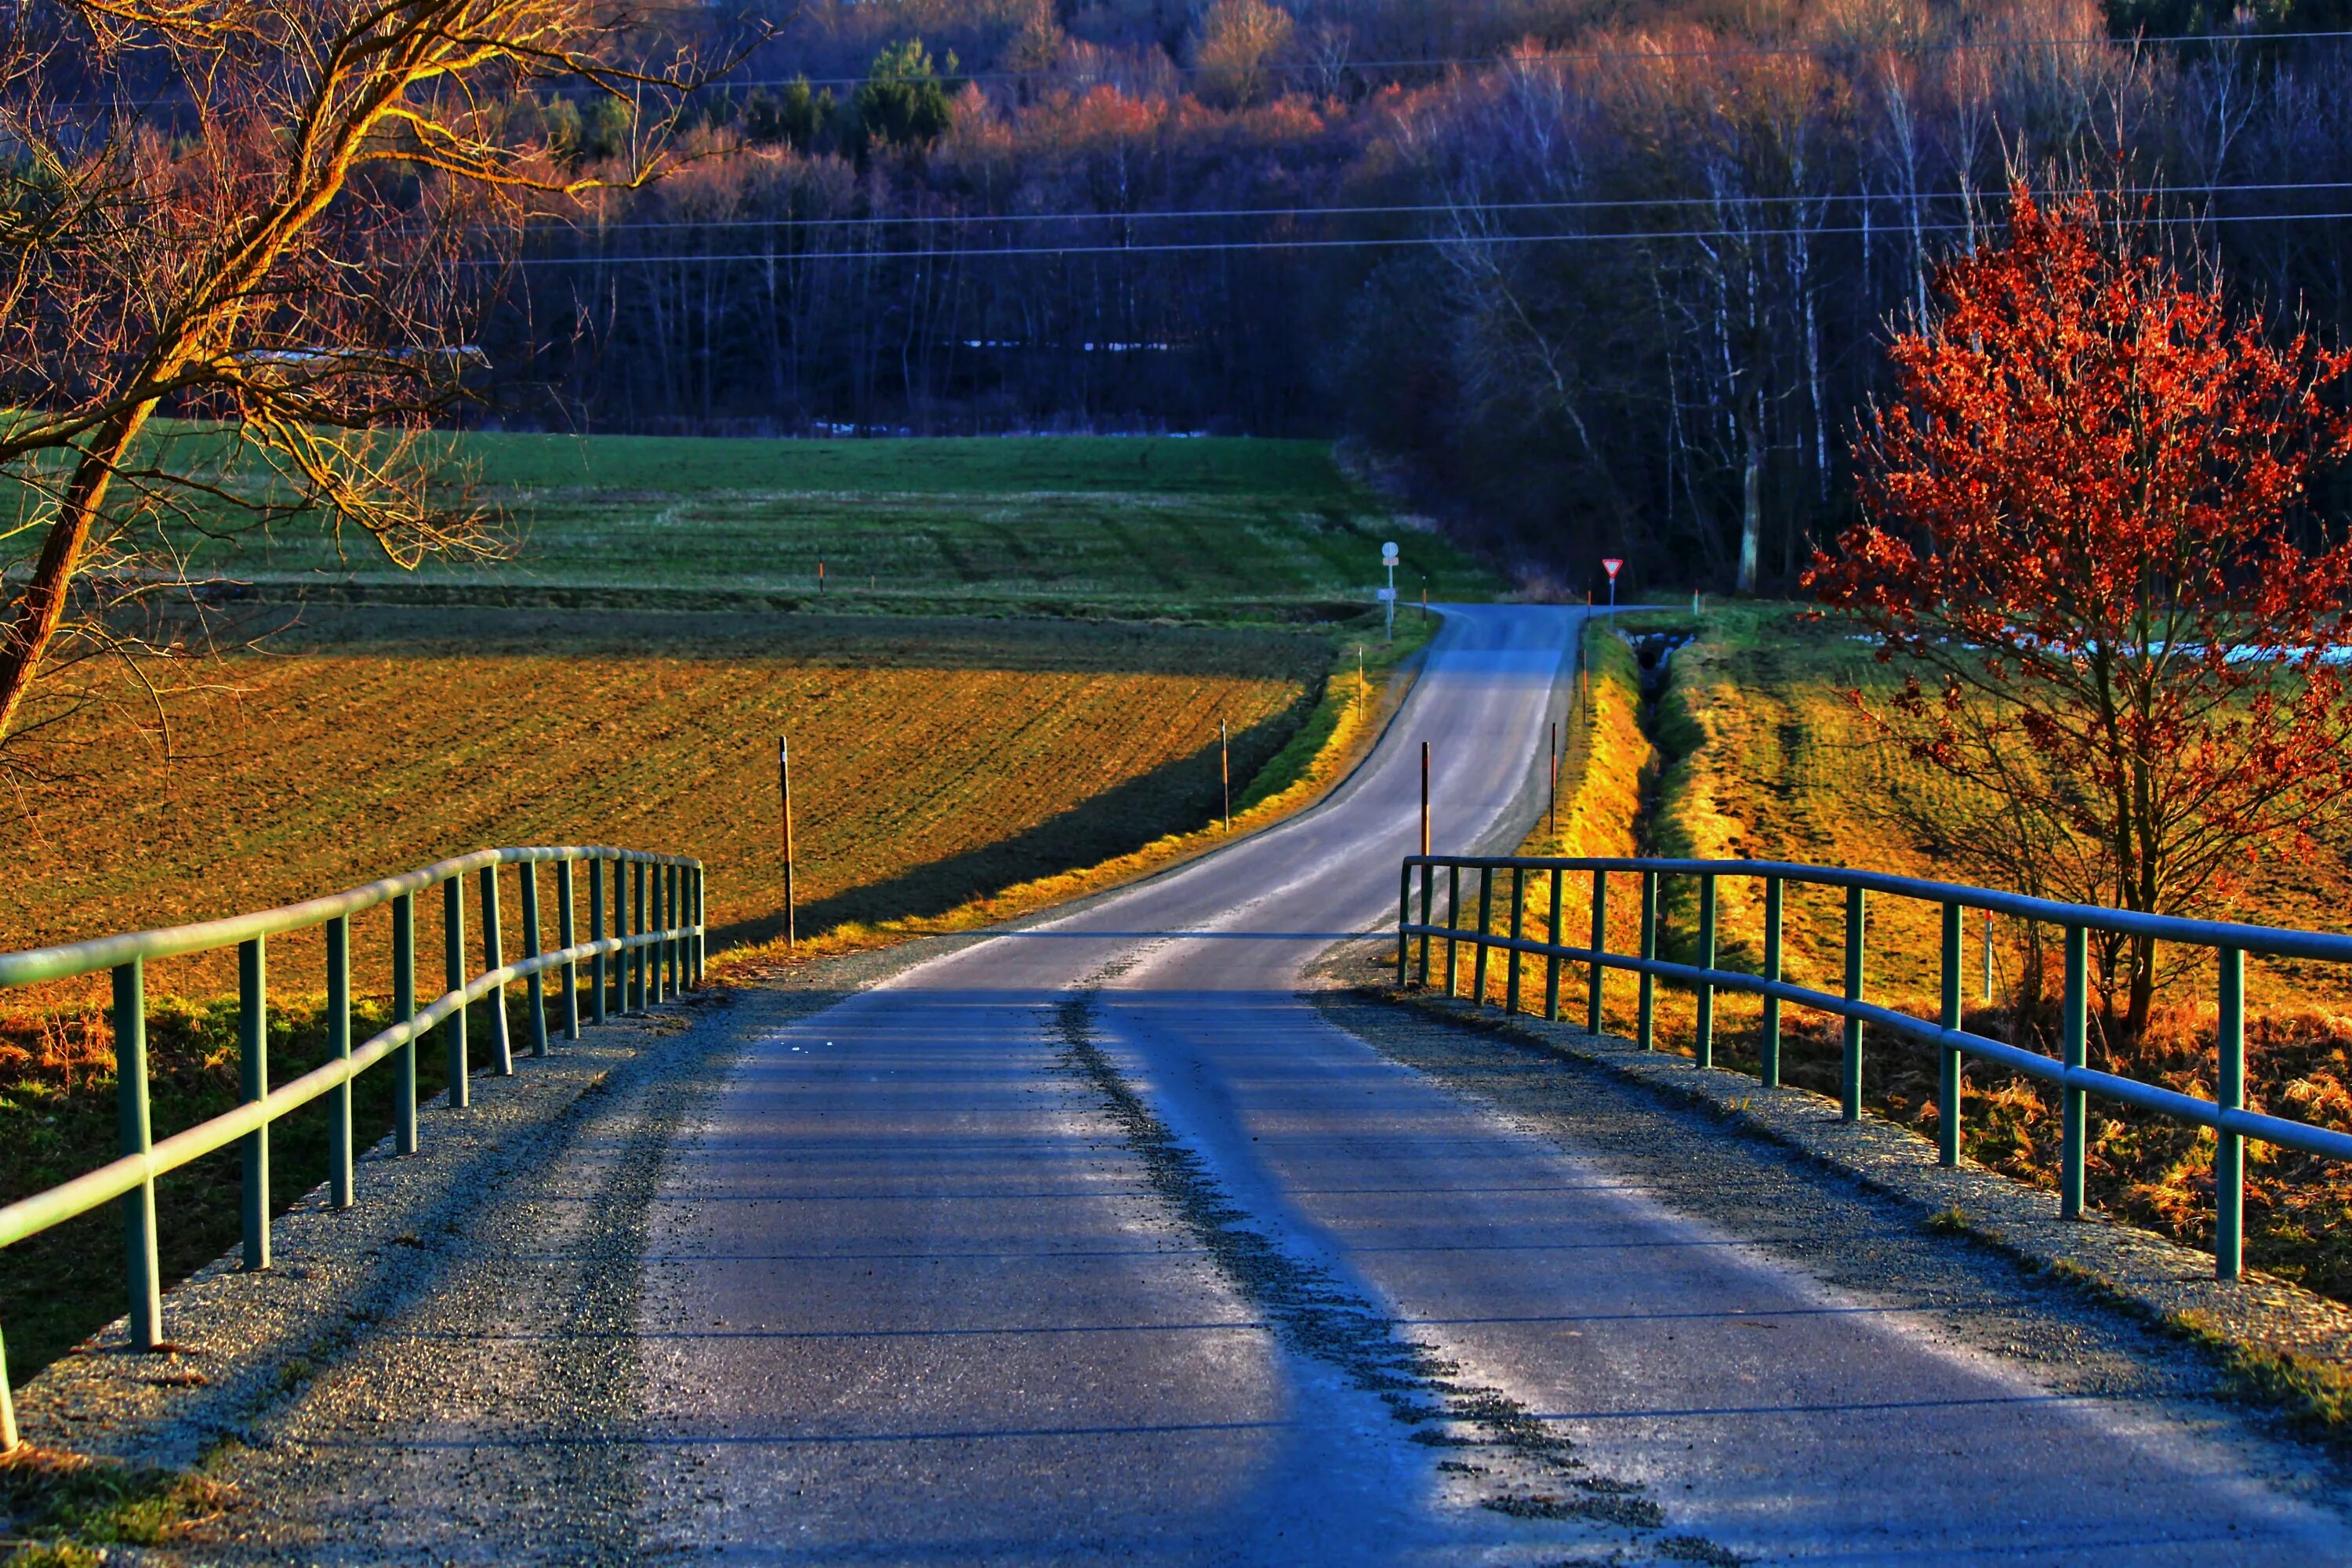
(1121, 1236)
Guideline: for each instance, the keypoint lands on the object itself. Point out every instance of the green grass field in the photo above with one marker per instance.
(1119, 525)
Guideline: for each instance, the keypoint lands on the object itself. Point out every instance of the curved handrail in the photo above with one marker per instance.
(2269, 941)
(2226, 1115)
(660, 948)
(35, 964)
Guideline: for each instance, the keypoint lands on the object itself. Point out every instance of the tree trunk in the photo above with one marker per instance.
(1751, 506)
(43, 607)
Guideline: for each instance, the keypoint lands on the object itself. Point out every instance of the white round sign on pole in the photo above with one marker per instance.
(1388, 553)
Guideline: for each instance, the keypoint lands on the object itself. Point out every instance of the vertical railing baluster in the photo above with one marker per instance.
(1596, 981)
(2229, 1093)
(403, 1010)
(1704, 1034)
(1559, 938)
(453, 957)
(567, 937)
(135, 1136)
(1948, 1077)
(596, 999)
(1404, 918)
(1428, 901)
(701, 924)
(535, 994)
(638, 955)
(1850, 1069)
(494, 958)
(1645, 1027)
(1485, 929)
(339, 1045)
(674, 948)
(1513, 968)
(253, 1083)
(8, 1436)
(1453, 924)
(2073, 1027)
(1768, 1053)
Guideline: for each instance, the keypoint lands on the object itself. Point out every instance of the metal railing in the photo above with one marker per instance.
(2231, 1122)
(651, 947)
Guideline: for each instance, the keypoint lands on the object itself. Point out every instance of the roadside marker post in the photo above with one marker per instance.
(1552, 812)
(784, 791)
(1226, 772)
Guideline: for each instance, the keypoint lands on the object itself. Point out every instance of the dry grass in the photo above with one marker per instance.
(1757, 754)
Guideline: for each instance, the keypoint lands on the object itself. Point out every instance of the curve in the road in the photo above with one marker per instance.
(1095, 1242)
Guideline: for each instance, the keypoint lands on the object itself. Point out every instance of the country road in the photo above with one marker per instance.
(906, 1301)
(1097, 1241)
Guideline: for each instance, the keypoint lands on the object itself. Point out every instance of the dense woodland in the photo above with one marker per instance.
(1582, 278)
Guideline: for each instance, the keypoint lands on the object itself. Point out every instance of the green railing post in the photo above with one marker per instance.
(8, 1438)
(253, 1081)
(596, 1002)
(1595, 981)
(1948, 1080)
(1512, 968)
(701, 926)
(637, 931)
(1768, 1054)
(623, 959)
(567, 937)
(674, 945)
(1645, 1027)
(136, 1136)
(1404, 918)
(494, 957)
(453, 1028)
(339, 1045)
(1453, 924)
(1552, 962)
(2230, 1148)
(1704, 1037)
(404, 1008)
(535, 997)
(2073, 1038)
(1485, 929)
(1850, 1069)
(1428, 902)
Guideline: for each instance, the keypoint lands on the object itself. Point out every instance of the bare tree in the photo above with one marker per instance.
(239, 245)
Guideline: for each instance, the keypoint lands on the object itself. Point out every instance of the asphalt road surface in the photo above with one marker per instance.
(1095, 1242)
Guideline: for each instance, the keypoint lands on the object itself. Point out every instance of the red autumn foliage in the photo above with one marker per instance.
(2088, 527)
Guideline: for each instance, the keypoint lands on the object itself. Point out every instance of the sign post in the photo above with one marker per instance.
(1388, 594)
(1611, 565)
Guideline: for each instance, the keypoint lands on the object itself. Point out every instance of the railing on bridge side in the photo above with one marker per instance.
(645, 943)
(2231, 1122)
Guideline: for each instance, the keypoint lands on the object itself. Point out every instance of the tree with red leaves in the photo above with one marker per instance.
(2088, 526)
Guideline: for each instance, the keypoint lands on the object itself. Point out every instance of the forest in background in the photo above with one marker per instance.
(1582, 279)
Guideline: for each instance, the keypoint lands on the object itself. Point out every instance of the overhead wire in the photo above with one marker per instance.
(1150, 248)
(1576, 203)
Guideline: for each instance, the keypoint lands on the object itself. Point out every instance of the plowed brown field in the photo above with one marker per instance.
(933, 762)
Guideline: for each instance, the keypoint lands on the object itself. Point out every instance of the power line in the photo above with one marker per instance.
(1591, 204)
(1392, 242)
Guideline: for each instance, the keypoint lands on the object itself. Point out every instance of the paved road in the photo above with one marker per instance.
(1095, 1242)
